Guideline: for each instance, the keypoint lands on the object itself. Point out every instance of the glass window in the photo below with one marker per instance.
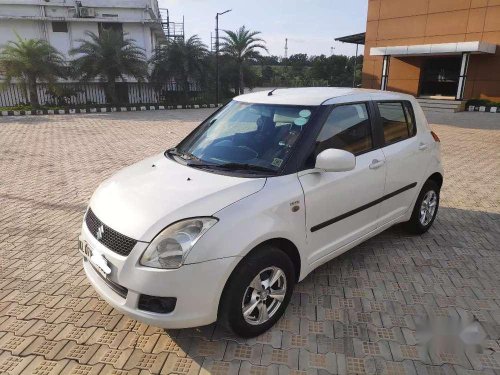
(410, 117)
(257, 135)
(114, 26)
(347, 128)
(394, 122)
(59, 27)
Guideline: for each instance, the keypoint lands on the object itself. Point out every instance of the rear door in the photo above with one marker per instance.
(342, 206)
(405, 154)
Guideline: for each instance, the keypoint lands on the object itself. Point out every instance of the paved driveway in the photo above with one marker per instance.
(360, 313)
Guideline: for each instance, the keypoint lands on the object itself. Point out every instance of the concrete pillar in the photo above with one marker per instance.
(385, 72)
(463, 76)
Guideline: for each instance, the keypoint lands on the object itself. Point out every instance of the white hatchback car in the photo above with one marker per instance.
(265, 190)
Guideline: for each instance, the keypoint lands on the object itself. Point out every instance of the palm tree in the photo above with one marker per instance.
(179, 60)
(108, 57)
(30, 61)
(242, 45)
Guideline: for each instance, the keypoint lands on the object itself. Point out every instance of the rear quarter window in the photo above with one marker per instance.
(398, 121)
(410, 118)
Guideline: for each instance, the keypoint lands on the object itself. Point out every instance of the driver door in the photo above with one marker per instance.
(341, 207)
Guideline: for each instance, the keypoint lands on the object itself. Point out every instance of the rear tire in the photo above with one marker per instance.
(425, 210)
(258, 292)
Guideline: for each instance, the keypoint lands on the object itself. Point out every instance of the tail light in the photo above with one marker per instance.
(436, 138)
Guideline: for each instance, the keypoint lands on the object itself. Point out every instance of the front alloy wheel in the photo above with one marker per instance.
(257, 292)
(264, 295)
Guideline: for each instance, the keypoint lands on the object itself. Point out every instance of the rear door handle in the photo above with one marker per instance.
(376, 163)
(422, 146)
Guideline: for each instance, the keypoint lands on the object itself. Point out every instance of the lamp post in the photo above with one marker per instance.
(217, 54)
(355, 66)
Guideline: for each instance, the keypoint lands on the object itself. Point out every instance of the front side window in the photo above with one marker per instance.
(347, 128)
(246, 136)
(397, 121)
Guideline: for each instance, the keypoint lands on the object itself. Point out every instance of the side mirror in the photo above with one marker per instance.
(334, 160)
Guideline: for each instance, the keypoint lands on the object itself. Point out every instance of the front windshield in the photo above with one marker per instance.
(249, 135)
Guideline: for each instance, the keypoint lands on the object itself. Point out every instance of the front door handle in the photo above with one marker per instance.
(376, 163)
(422, 146)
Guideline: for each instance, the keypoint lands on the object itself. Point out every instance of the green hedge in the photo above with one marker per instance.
(481, 102)
(27, 107)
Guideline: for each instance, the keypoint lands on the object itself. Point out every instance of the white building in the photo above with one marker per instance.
(63, 22)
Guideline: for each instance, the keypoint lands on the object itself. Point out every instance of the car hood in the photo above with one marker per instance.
(142, 199)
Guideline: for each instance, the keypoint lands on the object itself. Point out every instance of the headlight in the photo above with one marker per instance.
(170, 247)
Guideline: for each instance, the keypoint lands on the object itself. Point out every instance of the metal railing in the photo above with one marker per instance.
(94, 93)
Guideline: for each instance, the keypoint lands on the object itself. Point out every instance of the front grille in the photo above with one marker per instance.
(110, 238)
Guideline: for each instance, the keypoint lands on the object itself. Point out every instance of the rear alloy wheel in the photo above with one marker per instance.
(258, 291)
(425, 210)
(428, 207)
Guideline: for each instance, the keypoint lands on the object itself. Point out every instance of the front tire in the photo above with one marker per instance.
(426, 208)
(258, 292)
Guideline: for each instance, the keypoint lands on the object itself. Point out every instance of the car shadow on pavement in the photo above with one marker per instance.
(393, 280)
(71, 207)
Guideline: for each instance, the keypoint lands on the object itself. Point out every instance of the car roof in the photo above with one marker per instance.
(313, 96)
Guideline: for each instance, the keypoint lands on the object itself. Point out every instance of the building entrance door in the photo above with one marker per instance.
(440, 76)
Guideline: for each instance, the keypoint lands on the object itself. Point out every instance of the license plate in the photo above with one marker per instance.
(86, 251)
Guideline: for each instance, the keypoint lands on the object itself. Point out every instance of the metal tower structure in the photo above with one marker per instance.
(172, 30)
(213, 43)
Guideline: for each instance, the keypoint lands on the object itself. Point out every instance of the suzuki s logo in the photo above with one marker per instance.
(100, 232)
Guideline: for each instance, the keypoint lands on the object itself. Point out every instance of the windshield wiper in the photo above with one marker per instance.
(201, 165)
(233, 167)
(182, 155)
(173, 151)
(246, 167)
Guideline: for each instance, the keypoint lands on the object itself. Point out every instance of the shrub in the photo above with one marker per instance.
(481, 102)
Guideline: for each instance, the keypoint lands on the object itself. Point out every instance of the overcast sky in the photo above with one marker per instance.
(310, 25)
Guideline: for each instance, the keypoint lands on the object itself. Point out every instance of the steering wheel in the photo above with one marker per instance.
(221, 151)
(249, 150)
(238, 139)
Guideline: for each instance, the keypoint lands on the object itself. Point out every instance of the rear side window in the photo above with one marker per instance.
(397, 121)
(347, 128)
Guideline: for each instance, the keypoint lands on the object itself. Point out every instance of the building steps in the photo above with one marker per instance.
(441, 105)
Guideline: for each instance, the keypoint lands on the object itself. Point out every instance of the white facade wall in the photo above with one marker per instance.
(33, 19)
(25, 29)
(77, 32)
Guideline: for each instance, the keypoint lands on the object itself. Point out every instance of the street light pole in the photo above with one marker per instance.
(217, 54)
(355, 67)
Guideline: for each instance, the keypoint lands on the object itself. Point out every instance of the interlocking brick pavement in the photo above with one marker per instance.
(360, 313)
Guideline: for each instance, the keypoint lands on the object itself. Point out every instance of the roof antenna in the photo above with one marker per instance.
(270, 93)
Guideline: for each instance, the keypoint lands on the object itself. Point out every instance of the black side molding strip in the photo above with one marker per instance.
(362, 208)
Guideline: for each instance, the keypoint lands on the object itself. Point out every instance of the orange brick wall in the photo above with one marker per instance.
(407, 22)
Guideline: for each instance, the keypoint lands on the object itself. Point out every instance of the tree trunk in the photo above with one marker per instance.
(186, 90)
(112, 90)
(33, 92)
(242, 81)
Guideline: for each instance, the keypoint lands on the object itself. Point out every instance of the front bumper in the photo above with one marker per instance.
(197, 287)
